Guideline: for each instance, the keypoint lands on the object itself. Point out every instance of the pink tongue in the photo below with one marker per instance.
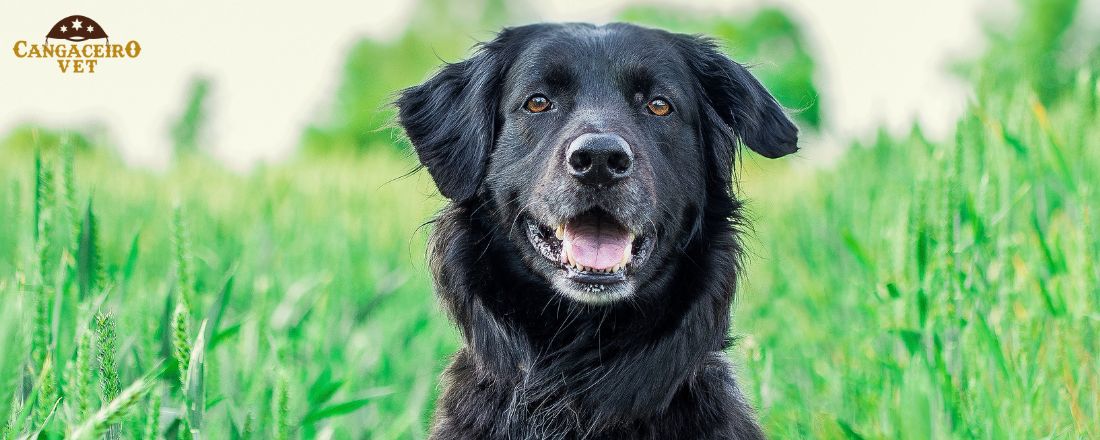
(596, 244)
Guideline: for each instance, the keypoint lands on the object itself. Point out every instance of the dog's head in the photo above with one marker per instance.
(596, 147)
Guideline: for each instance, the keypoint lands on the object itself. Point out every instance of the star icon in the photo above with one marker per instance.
(77, 24)
(64, 29)
(91, 29)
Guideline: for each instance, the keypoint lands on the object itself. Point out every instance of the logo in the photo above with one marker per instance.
(83, 43)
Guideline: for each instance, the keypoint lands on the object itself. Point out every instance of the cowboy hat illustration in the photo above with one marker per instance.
(77, 28)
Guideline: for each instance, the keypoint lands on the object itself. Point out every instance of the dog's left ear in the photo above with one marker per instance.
(736, 106)
(451, 118)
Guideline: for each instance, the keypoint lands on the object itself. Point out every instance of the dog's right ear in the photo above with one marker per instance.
(738, 109)
(451, 118)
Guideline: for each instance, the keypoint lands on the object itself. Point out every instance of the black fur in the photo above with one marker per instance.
(539, 364)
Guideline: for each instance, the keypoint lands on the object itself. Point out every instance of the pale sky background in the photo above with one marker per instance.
(275, 65)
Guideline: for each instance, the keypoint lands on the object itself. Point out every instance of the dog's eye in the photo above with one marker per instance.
(537, 104)
(659, 107)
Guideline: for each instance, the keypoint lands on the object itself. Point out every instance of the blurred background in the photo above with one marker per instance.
(268, 79)
(221, 238)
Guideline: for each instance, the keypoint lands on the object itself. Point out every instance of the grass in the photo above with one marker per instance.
(309, 277)
(918, 290)
(934, 290)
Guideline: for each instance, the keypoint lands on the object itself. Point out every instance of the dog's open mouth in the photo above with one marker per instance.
(591, 248)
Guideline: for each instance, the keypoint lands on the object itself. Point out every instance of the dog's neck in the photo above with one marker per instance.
(591, 352)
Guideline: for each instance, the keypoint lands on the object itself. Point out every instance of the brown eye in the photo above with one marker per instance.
(659, 107)
(537, 104)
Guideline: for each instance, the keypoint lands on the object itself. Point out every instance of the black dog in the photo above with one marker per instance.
(590, 252)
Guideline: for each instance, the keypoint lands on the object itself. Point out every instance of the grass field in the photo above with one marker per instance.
(917, 290)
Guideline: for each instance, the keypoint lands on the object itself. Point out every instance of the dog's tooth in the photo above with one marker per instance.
(628, 252)
(560, 231)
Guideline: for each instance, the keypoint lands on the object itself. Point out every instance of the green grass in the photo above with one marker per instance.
(930, 290)
(918, 290)
(310, 279)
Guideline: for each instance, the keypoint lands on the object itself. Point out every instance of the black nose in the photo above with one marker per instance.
(599, 158)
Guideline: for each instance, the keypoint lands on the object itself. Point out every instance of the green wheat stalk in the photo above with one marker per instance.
(82, 376)
(181, 242)
(47, 392)
(181, 329)
(281, 409)
(181, 321)
(152, 417)
(41, 324)
(41, 334)
(14, 410)
(89, 268)
(100, 423)
(107, 344)
(68, 180)
(44, 199)
(194, 383)
(23, 404)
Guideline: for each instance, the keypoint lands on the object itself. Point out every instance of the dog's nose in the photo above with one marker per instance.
(599, 158)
